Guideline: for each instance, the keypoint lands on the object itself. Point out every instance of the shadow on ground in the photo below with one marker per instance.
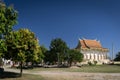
(6, 74)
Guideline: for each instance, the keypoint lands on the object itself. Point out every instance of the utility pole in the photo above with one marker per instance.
(112, 52)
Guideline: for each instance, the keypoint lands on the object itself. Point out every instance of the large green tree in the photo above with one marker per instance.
(74, 56)
(117, 58)
(8, 18)
(59, 48)
(23, 46)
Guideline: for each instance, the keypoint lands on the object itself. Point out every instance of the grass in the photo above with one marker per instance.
(15, 76)
(93, 69)
(99, 69)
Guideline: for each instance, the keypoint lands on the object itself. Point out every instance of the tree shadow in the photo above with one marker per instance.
(117, 64)
(7, 74)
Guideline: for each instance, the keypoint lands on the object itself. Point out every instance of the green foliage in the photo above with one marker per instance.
(95, 62)
(59, 48)
(39, 55)
(8, 18)
(58, 45)
(74, 56)
(23, 45)
(117, 57)
(50, 57)
(90, 63)
(43, 49)
(20, 56)
(2, 47)
(46, 54)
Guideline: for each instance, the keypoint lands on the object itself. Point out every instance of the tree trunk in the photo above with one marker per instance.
(21, 69)
(32, 65)
(70, 63)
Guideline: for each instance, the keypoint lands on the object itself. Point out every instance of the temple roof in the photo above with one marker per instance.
(90, 44)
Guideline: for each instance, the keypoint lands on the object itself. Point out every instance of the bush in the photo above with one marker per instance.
(95, 62)
(90, 63)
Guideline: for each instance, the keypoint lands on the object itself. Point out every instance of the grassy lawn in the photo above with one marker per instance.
(99, 69)
(15, 76)
(93, 69)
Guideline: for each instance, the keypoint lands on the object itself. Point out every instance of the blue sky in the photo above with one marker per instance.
(71, 20)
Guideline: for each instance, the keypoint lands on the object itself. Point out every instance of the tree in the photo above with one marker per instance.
(8, 18)
(43, 49)
(59, 48)
(45, 53)
(117, 57)
(40, 55)
(23, 46)
(74, 56)
(50, 57)
(2, 47)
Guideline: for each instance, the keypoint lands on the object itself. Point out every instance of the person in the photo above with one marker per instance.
(11, 64)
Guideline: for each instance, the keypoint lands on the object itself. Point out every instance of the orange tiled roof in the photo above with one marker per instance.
(90, 44)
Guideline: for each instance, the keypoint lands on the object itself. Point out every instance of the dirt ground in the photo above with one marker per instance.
(61, 75)
(48, 75)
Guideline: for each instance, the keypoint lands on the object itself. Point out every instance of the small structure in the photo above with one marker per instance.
(92, 51)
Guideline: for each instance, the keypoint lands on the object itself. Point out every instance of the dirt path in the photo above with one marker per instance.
(60, 75)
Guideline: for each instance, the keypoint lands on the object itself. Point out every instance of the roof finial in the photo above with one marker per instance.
(79, 39)
(96, 39)
(99, 41)
(83, 38)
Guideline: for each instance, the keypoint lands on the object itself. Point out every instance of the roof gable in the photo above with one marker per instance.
(90, 44)
(85, 44)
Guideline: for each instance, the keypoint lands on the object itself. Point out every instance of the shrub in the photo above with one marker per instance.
(90, 63)
(95, 62)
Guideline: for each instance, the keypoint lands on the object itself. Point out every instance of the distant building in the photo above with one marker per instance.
(92, 51)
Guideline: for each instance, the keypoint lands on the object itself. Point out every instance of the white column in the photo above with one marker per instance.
(102, 56)
(96, 58)
(99, 57)
(88, 56)
(84, 56)
(92, 56)
(105, 54)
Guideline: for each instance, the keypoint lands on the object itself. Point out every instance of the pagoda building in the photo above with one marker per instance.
(92, 51)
